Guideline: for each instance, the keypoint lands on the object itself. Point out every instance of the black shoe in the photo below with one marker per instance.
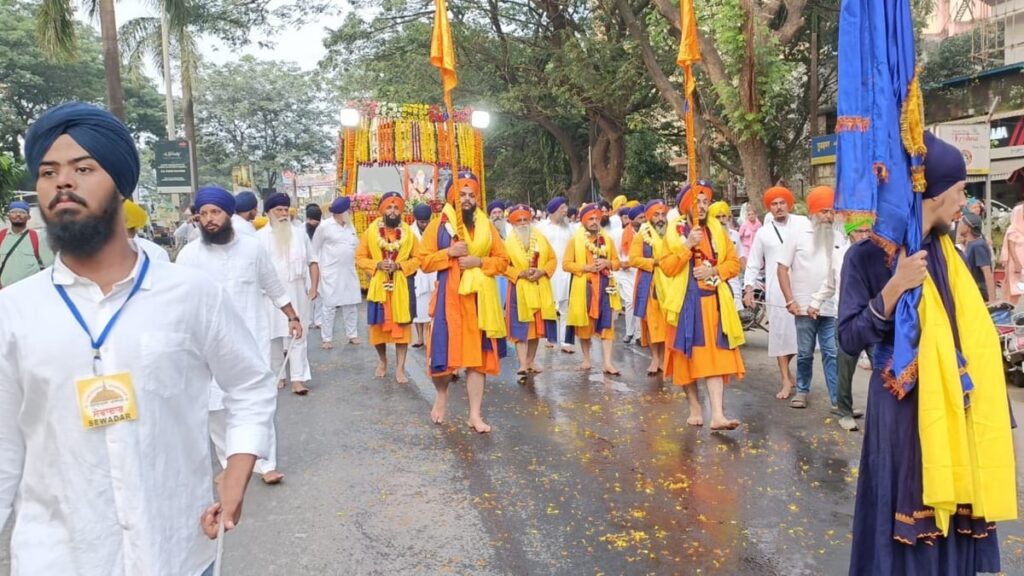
(627, 339)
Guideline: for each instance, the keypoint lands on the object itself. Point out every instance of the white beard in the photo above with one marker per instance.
(281, 230)
(824, 238)
(523, 233)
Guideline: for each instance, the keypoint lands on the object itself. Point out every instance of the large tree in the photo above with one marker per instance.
(271, 115)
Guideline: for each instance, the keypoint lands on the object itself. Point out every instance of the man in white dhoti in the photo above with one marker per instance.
(424, 282)
(334, 249)
(625, 277)
(293, 261)
(245, 212)
(765, 253)
(242, 266)
(557, 230)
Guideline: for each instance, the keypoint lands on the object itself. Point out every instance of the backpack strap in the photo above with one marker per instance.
(33, 237)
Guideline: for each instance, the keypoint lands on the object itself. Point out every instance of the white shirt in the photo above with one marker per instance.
(830, 289)
(126, 499)
(243, 268)
(292, 270)
(558, 235)
(187, 232)
(809, 267)
(242, 226)
(334, 249)
(424, 281)
(765, 253)
(155, 251)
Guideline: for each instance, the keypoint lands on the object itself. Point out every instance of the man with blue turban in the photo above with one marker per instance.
(298, 270)
(243, 267)
(424, 280)
(245, 212)
(334, 249)
(558, 231)
(111, 348)
(22, 254)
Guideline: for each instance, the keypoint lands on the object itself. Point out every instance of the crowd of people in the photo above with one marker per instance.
(116, 361)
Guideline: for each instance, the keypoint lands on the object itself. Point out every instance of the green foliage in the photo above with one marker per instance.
(953, 57)
(268, 114)
(11, 174)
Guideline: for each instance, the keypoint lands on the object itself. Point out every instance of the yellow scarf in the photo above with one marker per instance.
(490, 317)
(966, 454)
(579, 305)
(375, 292)
(664, 285)
(532, 296)
(731, 325)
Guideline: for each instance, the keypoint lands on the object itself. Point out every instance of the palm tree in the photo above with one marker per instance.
(55, 26)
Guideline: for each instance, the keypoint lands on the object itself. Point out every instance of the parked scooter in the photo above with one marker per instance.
(1010, 326)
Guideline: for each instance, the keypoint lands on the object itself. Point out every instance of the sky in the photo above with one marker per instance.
(304, 46)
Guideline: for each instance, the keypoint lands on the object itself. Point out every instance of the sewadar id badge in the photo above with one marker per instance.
(105, 400)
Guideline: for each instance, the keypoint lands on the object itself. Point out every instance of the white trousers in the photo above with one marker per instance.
(218, 431)
(563, 317)
(318, 313)
(625, 281)
(298, 359)
(349, 321)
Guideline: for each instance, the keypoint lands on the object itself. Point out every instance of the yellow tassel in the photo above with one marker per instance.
(912, 130)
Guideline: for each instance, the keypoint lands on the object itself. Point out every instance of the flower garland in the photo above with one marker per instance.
(388, 247)
(598, 250)
(466, 137)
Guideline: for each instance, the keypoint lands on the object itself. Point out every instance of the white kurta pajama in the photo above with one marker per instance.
(293, 271)
(125, 499)
(625, 278)
(243, 268)
(424, 288)
(334, 249)
(765, 253)
(559, 235)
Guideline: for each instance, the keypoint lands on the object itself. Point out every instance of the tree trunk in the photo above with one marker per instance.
(579, 184)
(609, 157)
(189, 118)
(111, 59)
(756, 169)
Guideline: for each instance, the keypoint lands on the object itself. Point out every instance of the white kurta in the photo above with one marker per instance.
(334, 249)
(558, 235)
(154, 250)
(424, 288)
(765, 253)
(243, 268)
(293, 272)
(809, 267)
(242, 226)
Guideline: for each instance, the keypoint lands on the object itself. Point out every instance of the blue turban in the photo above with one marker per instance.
(422, 212)
(556, 203)
(604, 205)
(245, 201)
(341, 205)
(276, 200)
(636, 211)
(19, 205)
(494, 205)
(219, 197)
(99, 132)
(624, 211)
(943, 166)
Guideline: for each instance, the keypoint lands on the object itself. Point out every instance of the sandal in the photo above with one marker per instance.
(799, 400)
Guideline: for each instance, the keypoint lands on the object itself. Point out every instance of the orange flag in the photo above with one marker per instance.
(689, 54)
(442, 50)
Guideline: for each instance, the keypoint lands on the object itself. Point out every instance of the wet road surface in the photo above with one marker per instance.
(583, 474)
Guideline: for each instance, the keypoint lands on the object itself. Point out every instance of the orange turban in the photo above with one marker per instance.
(391, 199)
(519, 214)
(820, 198)
(654, 207)
(591, 211)
(465, 179)
(687, 197)
(776, 192)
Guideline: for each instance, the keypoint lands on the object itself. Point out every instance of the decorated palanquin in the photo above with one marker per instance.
(402, 148)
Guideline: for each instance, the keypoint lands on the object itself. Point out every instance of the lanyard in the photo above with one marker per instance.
(97, 343)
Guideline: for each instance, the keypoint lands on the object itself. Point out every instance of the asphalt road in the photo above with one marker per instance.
(583, 474)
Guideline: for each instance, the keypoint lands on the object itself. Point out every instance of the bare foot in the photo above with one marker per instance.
(299, 388)
(611, 370)
(272, 477)
(568, 350)
(354, 341)
(784, 393)
(549, 345)
(479, 426)
(280, 384)
(724, 424)
(652, 370)
(381, 371)
(400, 377)
(695, 421)
(327, 345)
(437, 413)
(586, 367)
(536, 369)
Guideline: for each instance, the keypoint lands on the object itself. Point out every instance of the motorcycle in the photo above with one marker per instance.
(1010, 326)
(754, 318)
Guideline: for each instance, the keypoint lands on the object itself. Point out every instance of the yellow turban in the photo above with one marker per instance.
(719, 208)
(632, 204)
(619, 202)
(135, 217)
(260, 222)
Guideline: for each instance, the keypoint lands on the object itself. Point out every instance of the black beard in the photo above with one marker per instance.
(605, 221)
(392, 221)
(220, 237)
(636, 225)
(469, 217)
(940, 228)
(83, 238)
